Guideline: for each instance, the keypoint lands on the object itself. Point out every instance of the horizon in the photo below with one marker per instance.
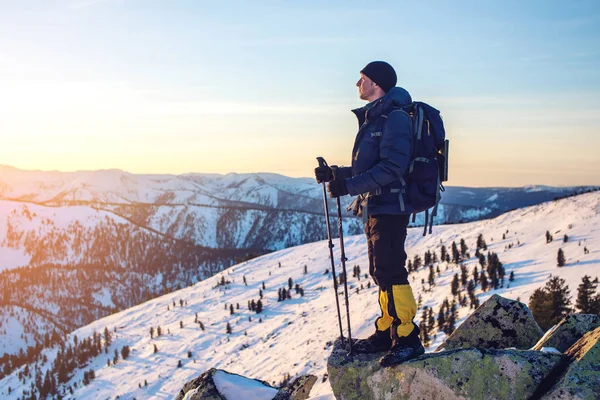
(154, 87)
(268, 172)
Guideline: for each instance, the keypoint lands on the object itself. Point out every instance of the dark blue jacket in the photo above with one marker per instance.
(381, 153)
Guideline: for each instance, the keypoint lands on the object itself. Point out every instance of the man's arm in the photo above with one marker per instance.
(394, 152)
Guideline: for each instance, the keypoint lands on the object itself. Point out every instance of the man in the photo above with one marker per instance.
(380, 161)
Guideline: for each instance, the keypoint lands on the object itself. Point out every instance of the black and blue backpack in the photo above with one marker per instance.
(422, 183)
(429, 162)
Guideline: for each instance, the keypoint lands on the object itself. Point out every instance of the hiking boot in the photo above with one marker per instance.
(377, 342)
(399, 354)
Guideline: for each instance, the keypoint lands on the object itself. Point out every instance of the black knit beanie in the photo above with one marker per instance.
(382, 74)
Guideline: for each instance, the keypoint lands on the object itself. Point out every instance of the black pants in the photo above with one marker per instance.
(386, 235)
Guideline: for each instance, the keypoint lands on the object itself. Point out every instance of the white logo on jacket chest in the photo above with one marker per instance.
(375, 134)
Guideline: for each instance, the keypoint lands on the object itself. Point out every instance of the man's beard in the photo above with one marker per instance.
(364, 95)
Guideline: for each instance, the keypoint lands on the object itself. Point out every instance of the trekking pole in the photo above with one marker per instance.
(323, 163)
(344, 259)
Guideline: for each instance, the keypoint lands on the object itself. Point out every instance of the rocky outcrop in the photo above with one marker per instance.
(201, 388)
(485, 358)
(582, 377)
(449, 375)
(480, 370)
(299, 389)
(217, 384)
(499, 323)
(568, 331)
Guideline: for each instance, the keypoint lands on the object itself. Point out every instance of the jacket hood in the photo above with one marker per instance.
(396, 97)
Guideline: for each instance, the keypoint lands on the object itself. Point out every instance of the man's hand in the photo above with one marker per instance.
(337, 188)
(323, 174)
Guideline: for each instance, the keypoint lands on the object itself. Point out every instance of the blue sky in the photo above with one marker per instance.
(240, 86)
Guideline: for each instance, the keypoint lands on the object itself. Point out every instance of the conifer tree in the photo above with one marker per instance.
(125, 352)
(565, 238)
(560, 259)
(452, 317)
(228, 329)
(484, 281)
(441, 319)
(443, 253)
(550, 304)
(107, 337)
(481, 260)
(454, 285)
(425, 338)
(464, 275)
(151, 333)
(427, 257)
(455, 254)
(587, 300)
(463, 248)
(481, 242)
(430, 320)
(431, 276)
(475, 275)
(416, 262)
(259, 307)
(548, 237)
(540, 305)
(290, 283)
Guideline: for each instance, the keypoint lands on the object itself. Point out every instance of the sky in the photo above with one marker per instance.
(267, 86)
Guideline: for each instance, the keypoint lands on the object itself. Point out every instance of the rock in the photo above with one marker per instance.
(456, 374)
(582, 378)
(217, 384)
(299, 389)
(568, 331)
(498, 323)
(201, 388)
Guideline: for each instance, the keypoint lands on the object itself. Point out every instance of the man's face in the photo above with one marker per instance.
(366, 87)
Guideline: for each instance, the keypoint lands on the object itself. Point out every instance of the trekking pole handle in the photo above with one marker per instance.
(322, 162)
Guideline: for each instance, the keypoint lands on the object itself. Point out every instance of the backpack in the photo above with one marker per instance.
(428, 166)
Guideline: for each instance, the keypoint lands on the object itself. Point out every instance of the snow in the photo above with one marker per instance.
(550, 350)
(493, 197)
(295, 335)
(235, 387)
(13, 258)
(104, 297)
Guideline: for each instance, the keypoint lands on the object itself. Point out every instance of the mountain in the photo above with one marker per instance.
(294, 336)
(140, 197)
(73, 244)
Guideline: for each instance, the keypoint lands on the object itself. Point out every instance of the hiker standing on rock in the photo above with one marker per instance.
(380, 161)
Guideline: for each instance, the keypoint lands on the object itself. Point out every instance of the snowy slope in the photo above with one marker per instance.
(294, 335)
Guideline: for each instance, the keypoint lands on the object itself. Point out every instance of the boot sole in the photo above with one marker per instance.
(390, 363)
